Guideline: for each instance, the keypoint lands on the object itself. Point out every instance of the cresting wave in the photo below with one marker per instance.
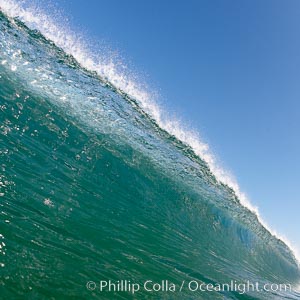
(76, 45)
(92, 187)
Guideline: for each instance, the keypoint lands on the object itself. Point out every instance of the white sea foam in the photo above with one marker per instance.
(77, 46)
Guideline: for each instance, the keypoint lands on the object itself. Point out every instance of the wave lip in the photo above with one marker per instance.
(73, 45)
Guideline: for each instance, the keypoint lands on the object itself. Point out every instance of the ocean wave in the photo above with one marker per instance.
(91, 146)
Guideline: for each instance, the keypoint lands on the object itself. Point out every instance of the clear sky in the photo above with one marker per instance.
(232, 70)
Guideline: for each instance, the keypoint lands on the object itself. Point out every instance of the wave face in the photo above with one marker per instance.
(91, 188)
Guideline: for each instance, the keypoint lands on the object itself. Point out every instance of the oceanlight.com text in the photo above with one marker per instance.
(129, 286)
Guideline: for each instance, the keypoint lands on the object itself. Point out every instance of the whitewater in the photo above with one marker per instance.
(117, 119)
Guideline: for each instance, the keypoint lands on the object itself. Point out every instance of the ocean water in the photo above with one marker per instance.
(92, 188)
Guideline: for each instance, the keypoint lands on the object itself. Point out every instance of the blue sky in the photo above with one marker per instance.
(231, 69)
